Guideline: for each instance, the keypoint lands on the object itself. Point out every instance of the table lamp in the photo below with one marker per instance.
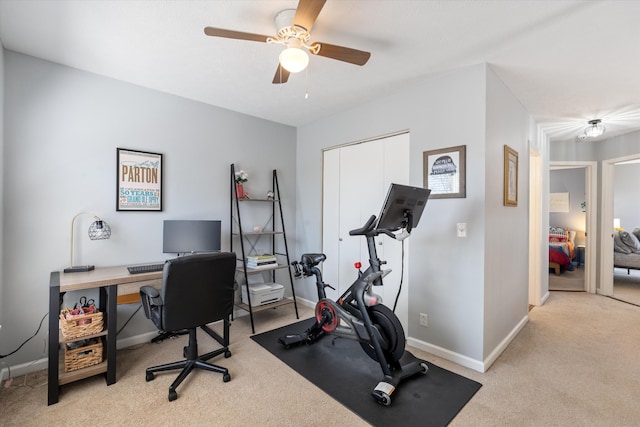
(98, 230)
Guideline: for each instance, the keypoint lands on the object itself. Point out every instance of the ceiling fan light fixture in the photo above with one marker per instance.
(595, 129)
(294, 59)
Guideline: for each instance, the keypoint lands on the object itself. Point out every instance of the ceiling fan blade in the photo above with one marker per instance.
(307, 13)
(230, 34)
(282, 75)
(346, 54)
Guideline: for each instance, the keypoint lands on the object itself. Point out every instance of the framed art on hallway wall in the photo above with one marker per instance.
(510, 176)
(445, 172)
(139, 180)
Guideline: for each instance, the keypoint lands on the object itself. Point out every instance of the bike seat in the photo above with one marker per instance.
(313, 259)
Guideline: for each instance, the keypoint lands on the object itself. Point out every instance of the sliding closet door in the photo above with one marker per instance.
(355, 181)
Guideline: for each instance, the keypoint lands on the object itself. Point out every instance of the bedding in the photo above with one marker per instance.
(561, 249)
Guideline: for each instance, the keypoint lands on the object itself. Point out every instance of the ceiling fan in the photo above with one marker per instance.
(294, 26)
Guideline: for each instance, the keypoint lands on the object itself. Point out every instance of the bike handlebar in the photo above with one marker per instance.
(368, 227)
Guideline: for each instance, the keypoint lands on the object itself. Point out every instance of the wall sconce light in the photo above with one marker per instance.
(98, 230)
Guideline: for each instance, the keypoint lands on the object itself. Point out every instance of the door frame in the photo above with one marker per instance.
(591, 197)
(606, 221)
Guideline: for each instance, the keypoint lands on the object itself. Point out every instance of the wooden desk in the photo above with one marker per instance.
(112, 281)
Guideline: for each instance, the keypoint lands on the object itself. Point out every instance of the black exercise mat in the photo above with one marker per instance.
(344, 371)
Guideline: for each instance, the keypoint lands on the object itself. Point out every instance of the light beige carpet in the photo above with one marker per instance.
(626, 285)
(575, 363)
(567, 280)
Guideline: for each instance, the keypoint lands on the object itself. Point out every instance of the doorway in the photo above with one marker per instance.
(609, 275)
(585, 237)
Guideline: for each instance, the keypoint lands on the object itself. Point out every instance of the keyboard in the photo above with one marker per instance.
(149, 268)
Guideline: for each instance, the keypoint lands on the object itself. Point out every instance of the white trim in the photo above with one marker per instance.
(591, 193)
(460, 359)
(24, 368)
(606, 222)
(535, 227)
(467, 362)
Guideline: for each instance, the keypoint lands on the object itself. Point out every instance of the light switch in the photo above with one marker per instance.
(462, 229)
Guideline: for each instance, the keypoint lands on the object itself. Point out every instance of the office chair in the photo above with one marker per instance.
(196, 290)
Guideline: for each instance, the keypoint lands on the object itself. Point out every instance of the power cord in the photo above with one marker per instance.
(2, 356)
(401, 278)
(129, 319)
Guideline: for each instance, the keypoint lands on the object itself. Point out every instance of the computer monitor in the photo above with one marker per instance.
(190, 236)
(402, 207)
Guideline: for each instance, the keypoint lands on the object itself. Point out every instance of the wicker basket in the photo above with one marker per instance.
(80, 326)
(81, 357)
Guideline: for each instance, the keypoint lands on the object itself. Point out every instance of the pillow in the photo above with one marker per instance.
(619, 245)
(558, 234)
(636, 232)
(630, 240)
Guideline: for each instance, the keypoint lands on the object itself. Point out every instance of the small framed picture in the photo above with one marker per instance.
(139, 181)
(510, 176)
(445, 172)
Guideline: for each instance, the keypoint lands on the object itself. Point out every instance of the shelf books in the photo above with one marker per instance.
(261, 261)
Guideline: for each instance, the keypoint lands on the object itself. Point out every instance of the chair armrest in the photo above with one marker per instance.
(150, 297)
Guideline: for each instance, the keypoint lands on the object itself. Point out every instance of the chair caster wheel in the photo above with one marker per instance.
(227, 354)
(226, 378)
(172, 395)
(150, 376)
(424, 368)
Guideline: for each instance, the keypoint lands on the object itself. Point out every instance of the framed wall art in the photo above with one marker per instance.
(445, 172)
(510, 176)
(139, 181)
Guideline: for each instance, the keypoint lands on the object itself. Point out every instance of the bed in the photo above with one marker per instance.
(626, 249)
(561, 249)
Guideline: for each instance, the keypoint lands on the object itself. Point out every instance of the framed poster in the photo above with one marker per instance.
(510, 176)
(445, 172)
(139, 182)
(559, 202)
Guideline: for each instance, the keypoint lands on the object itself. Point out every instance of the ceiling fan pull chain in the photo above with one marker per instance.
(306, 84)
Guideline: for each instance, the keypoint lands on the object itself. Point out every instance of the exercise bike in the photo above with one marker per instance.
(359, 313)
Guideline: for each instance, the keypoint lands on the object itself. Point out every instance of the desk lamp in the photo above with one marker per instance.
(98, 230)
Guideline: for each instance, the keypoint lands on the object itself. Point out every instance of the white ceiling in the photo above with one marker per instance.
(566, 61)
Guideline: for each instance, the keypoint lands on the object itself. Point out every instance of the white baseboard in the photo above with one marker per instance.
(24, 368)
(545, 297)
(504, 343)
(460, 359)
(306, 302)
(467, 362)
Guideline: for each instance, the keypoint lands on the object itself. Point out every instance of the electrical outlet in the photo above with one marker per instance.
(461, 227)
(424, 320)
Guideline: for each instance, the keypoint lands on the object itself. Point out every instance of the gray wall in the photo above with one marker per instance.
(471, 298)
(570, 181)
(62, 128)
(626, 195)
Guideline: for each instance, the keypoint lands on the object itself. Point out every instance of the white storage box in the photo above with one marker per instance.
(263, 293)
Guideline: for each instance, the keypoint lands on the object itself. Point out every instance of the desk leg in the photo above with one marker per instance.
(54, 337)
(109, 304)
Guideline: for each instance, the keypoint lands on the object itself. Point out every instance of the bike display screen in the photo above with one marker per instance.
(403, 203)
